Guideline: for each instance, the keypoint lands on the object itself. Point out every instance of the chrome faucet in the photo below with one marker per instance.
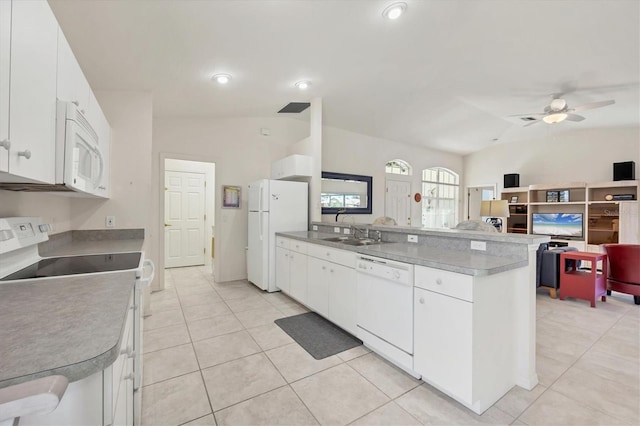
(341, 211)
(363, 231)
(378, 235)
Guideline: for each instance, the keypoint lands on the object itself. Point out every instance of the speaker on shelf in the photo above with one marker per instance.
(624, 171)
(512, 180)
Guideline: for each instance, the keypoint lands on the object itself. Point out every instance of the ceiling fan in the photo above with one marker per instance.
(558, 111)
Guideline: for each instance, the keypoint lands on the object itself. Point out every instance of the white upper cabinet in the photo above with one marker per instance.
(5, 66)
(32, 101)
(72, 85)
(292, 167)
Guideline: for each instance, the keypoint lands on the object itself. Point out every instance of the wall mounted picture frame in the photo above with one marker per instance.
(514, 199)
(552, 196)
(231, 196)
(563, 196)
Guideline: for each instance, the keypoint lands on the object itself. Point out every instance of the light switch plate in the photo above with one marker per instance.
(336, 229)
(412, 238)
(479, 245)
(314, 227)
(346, 231)
(110, 221)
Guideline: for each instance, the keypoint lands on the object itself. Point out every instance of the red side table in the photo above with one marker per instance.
(586, 285)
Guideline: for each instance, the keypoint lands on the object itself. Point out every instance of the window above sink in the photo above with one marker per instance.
(346, 193)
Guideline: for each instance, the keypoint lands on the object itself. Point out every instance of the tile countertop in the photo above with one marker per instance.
(70, 326)
(418, 254)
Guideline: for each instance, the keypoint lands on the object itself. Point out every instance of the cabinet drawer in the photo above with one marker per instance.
(283, 242)
(444, 282)
(298, 246)
(341, 257)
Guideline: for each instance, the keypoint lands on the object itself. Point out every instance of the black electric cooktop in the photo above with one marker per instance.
(72, 265)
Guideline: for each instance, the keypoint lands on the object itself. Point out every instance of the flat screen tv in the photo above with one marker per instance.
(567, 225)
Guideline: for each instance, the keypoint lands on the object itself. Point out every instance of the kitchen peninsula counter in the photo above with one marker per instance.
(465, 262)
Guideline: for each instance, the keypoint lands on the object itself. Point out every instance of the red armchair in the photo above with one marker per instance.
(624, 269)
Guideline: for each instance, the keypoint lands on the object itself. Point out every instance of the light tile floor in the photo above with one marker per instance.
(212, 355)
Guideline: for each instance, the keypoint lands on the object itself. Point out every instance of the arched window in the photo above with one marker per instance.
(440, 192)
(398, 167)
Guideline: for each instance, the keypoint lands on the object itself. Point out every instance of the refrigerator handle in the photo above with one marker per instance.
(260, 199)
(260, 225)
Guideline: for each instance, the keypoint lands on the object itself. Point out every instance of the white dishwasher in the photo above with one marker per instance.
(385, 308)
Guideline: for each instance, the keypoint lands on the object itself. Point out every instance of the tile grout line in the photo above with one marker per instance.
(567, 369)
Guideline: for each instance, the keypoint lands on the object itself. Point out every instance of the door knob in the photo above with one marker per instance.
(6, 144)
(26, 154)
(166, 224)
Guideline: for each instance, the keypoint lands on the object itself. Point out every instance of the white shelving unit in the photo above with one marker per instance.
(605, 220)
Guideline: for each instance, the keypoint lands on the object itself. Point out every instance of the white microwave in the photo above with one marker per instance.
(79, 161)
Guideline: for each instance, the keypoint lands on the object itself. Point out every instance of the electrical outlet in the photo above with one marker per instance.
(412, 238)
(479, 245)
(110, 221)
(346, 231)
(314, 227)
(336, 229)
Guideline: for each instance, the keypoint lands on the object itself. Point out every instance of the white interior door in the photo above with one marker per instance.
(184, 219)
(475, 196)
(398, 201)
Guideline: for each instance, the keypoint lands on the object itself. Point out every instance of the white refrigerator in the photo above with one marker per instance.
(274, 206)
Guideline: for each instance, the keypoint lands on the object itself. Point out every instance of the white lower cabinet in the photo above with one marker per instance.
(318, 286)
(105, 398)
(291, 268)
(320, 277)
(283, 276)
(298, 276)
(343, 297)
(443, 341)
(465, 341)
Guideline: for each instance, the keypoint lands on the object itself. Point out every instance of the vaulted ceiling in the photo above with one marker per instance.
(445, 75)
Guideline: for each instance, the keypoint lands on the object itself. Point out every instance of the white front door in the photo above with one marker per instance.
(184, 219)
(398, 201)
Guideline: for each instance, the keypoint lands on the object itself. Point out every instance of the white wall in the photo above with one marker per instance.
(348, 152)
(241, 155)
(54, 208)
(208, 169)
(584, 155)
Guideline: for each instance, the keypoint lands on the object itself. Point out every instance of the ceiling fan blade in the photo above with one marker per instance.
(593, 105)
(527, 115)
(574, 117)
(531, 123)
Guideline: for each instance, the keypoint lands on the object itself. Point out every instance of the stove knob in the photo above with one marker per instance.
(45, 227)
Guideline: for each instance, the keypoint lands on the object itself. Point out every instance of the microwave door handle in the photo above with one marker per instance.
(98, 179)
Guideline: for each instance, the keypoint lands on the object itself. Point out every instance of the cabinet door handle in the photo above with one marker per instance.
(323, 268)
(6, 144)
(26, 154)
(422, 300)
(439, 281)
(129, 376)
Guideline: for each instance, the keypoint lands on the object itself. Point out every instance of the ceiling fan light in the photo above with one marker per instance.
(394, 10)
(554, 118)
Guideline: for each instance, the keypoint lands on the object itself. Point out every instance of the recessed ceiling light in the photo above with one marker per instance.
(303, 84)
(221, 78)
(394, 10)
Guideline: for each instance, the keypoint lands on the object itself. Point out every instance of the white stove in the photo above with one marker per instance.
(20, 260)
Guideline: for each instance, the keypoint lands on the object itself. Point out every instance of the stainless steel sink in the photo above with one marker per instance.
(352, 241)
(365, 242)
(338, 239)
